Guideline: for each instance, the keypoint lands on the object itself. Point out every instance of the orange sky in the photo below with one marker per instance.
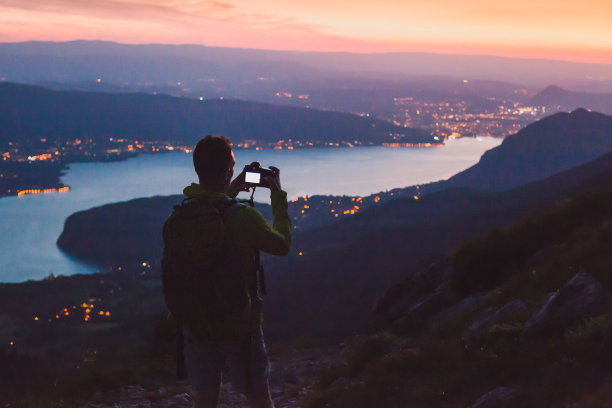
(559, 29)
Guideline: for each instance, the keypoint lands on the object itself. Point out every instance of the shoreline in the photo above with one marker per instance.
(40, 187)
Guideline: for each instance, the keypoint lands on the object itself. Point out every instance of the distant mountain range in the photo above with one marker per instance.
(166, 64)
(347, 265)
(568, 100)
(30, 112)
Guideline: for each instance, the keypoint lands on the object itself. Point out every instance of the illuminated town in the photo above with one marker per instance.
(22, 171)
(449, 117)
(310, 211)
(458, 119)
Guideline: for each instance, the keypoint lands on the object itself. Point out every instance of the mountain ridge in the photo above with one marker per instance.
(566, 100)
(38, 112)
(561, 144)
(532, 71)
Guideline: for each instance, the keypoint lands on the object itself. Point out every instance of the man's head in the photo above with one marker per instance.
(213, 161)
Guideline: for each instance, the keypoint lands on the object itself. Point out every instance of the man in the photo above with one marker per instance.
(214, 161)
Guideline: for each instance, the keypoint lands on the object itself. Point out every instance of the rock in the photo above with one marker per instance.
(500, 397)
(456, 311)
(403, 343)
(432, 276)
(540, 256)
(405, 294)
(341, 382)
(399, 308)
(582, 296)
(416, 316)
(492, 315)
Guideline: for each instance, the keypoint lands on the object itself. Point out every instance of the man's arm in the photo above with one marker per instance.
(276, 238)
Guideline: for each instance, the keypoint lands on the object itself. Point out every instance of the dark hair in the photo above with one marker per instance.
(212, 157)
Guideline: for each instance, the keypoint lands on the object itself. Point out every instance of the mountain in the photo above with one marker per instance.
(550, 145)
(564, 100)
(87, 60)
(31, 112)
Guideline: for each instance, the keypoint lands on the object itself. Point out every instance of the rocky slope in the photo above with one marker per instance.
(521, 316)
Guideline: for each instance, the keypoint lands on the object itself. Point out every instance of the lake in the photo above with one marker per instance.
(32, 223)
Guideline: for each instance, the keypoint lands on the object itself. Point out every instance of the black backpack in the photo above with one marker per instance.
(205, 285)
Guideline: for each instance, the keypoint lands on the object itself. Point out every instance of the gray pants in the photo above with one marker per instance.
(248, 364)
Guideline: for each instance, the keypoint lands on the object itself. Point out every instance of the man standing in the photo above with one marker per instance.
(206, 356)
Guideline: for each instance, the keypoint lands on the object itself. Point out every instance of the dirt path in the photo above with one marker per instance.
(293, 371)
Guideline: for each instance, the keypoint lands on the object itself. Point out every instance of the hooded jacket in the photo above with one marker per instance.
(249, 229)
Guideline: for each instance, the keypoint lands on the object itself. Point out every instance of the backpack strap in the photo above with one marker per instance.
(227, 207)
(259, 269)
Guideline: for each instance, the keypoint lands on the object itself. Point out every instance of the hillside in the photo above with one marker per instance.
(550, 145)
(519, 317)
(565, 100)
(31, 113)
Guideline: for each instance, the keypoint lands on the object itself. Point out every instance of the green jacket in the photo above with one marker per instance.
(249, 229)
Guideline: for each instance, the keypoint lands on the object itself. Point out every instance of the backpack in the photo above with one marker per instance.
(205, 285)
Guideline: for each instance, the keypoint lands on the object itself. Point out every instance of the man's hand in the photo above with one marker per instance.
(237, 185)
(273, 181)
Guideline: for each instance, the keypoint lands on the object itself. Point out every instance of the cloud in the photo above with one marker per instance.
(222, 4)
(120, 9)
(177, 13)
(203, 22)
(324, 25)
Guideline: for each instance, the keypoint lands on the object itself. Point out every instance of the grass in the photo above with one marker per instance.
(586, 222)
(446, 370)
(449, 373)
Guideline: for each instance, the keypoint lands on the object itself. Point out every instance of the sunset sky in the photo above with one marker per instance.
(559, 29)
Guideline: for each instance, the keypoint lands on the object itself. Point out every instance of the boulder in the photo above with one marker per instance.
(418, 314)
(500, 397)
(458, 310)
(492, 315)
(410, 291)
(582, 296)
(541, 255)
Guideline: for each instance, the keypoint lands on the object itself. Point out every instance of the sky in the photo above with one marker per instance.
(554, 29)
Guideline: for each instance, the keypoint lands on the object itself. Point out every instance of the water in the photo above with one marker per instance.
(33, 223)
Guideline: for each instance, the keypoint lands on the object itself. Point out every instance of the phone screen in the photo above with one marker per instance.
(252, 177)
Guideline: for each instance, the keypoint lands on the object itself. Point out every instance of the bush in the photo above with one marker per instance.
(483, 263)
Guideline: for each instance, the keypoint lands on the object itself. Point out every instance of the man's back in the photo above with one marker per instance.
(250, 230)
